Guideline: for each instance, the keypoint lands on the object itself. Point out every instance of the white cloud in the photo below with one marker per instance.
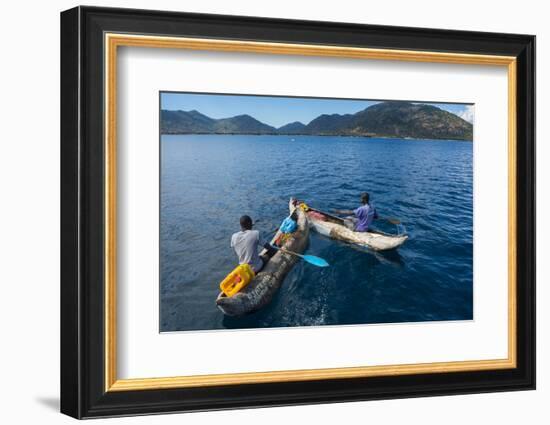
(467, 114)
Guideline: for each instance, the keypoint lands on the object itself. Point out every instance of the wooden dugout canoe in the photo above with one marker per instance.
(334, 228)
(259, 293)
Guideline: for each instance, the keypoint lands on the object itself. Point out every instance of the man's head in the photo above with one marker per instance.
(365, 198)
(246, 222)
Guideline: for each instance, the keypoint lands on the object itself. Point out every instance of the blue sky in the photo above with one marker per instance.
(277, 111)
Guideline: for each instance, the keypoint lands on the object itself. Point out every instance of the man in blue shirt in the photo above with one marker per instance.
(363, 216)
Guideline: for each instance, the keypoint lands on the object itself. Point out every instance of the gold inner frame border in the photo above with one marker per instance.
(114, 40)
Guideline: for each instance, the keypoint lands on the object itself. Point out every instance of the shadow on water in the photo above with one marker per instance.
(392, 257)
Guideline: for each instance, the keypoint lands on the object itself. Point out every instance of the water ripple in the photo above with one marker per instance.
(208, 182)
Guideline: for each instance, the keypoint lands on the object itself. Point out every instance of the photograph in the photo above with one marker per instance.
(279, 211)
(265, 211)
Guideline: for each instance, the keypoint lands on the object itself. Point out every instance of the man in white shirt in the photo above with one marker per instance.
(246, 244)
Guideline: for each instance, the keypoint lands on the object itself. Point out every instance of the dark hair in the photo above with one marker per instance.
(246, 222)
(294, 215)
(365, 198)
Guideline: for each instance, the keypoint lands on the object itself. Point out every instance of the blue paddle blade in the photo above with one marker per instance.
(316, 261)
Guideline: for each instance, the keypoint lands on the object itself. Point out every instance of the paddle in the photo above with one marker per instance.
(327, 214)
(311, 259)
(395, 221)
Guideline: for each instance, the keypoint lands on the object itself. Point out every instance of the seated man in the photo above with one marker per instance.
(363, 216)
(246, 244)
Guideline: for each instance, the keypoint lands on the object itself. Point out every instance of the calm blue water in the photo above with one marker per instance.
(208, 182)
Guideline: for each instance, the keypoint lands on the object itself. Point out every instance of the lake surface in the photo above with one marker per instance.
(209, 181)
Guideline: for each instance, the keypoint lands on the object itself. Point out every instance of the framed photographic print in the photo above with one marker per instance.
(261, 212)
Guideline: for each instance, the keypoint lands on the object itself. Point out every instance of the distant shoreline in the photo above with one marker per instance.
(386, 119)
(412, 139)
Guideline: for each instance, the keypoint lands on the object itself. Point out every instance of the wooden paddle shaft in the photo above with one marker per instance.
(327, 214)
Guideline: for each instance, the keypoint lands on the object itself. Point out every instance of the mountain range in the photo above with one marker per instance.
(385, 119)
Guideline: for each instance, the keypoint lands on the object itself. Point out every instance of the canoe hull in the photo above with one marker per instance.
(265, 285)
(373, 240)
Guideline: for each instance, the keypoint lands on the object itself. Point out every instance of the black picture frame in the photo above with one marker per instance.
(83, 392)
